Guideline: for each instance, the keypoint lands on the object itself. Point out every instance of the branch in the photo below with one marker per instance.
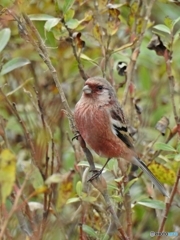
(71, 39)
(168, 204)
(127, 198)
(167, 57)
(135, 53)
(29, 30)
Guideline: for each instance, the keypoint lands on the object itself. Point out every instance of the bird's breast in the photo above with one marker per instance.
(93, 123)
(89, 121)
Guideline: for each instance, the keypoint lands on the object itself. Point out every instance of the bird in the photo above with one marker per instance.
(121, 68)
(101, 122)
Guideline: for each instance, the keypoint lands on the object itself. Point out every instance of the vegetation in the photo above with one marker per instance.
(47, 50)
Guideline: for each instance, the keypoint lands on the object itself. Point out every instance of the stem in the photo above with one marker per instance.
(168, 204)
(171, 84)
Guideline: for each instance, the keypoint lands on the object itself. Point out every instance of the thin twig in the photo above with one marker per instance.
(107, 55)
(169, 204)
(80, 67)
(127, 205)
(167, 57)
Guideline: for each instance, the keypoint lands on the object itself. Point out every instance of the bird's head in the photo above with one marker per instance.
(98, 89)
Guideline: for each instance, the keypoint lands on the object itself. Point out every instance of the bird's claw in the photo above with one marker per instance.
(96, 174)
(76, 136)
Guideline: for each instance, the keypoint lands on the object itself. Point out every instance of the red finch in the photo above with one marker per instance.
(101, 123)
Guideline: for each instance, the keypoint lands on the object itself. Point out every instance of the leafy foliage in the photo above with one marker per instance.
(49, 196)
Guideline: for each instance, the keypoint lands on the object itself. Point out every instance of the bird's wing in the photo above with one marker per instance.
(119, 126)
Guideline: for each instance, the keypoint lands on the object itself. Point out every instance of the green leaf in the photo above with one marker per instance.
(13, 125)
(151, 203)
(67, 5)
(171, 156)
(13, 64)
(162, 28)
(35, 178)
(175, 22)
(128, 45)
(69, 15)
(85, 57)
(4, 37)
(178, 147)
(89, 199)
(130, 183)
(90, 231)
(79, 188)
(51, 23)
(72, 23)
(168, 22)
(86, 164)
(40, 17)
(164, 147)
(177, 158)
(119, 179)
(176, 36)
(73, 200)
(117, 199)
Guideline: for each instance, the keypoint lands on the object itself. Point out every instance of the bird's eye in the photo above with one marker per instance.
(99, 87)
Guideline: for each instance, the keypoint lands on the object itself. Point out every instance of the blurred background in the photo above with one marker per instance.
(55, 201)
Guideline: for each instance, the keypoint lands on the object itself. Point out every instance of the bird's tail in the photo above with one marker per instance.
(154, 180)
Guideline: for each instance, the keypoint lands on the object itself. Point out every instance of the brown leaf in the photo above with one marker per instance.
(157, 45)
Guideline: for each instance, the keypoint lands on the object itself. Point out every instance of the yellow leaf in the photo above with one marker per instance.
(7, 173)
(97, 33)
(64, 190)
(87, 18)
(139, 26)
(112, 27)
(41, 190)
(164, 174)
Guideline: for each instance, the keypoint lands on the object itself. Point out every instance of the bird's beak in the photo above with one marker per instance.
(87, 89)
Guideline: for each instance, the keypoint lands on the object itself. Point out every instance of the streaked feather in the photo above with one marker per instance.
(154, 180)
(119, 126)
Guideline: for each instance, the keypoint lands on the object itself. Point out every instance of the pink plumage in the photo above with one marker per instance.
(101, 123)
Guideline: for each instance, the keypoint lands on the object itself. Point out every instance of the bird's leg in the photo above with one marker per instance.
(98, 172)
